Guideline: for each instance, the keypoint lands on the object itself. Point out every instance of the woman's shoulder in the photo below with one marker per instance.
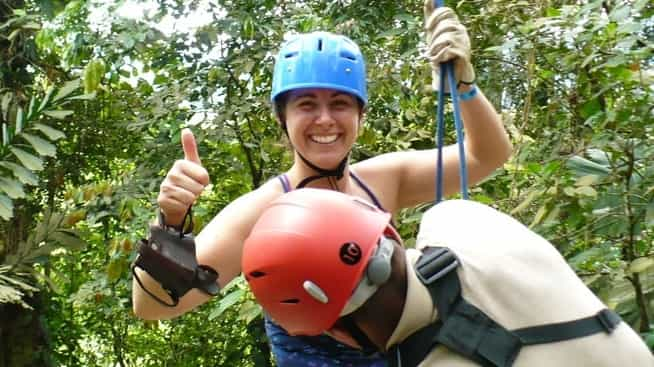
(241, 214)
(378, 165)
(258, 199)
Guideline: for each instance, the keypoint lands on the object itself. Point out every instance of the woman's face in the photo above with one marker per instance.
(322, 124)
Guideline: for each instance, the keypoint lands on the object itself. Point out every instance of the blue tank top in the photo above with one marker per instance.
(321, 350)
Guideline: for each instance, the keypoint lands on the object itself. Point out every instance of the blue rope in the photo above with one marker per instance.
(447, 69)
(440, 139)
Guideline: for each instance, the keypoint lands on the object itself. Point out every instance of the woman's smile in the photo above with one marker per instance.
(324, 139)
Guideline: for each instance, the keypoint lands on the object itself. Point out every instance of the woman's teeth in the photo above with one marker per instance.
(324, 139)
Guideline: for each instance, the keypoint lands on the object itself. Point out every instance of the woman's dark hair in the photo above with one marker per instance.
(282, 99)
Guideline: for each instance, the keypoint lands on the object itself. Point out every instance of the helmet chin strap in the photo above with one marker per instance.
(336, 172)
(322, 172)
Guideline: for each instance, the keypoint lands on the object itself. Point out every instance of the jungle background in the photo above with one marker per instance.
(93, 97)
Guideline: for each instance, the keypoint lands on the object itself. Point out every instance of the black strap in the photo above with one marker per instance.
(368, 348)
(604, 321)
(337, 172)
(466, 329)
(415, 348)
(174, 297)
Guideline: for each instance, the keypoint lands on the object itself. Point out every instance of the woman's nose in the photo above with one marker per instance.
(324, 115)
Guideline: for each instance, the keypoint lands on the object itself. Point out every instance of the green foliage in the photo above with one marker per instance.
(572, 80)
(587, 115)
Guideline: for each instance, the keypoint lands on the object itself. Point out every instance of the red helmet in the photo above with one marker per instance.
(307, 254)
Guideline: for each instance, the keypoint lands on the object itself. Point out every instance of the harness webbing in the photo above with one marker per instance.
(464, 328)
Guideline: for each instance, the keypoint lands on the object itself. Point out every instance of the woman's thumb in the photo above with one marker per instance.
(190, 147)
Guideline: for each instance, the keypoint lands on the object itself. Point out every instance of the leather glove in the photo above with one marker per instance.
(447, 40)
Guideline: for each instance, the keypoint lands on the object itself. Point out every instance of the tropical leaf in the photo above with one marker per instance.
(584, 167)
(5, 134)
(640, 265)
(15, 281)
(226, 302)
(30, 110)
(23, 174)
(6, 207)
(13, 287)
(46, 98)
(41, 146)
(50, 132)
(4, 105)
(526, 202)
(58, 114)
(30, 161)
(84, 97)
(68, 238)
(67, 89)
(249, 311)
(19, 119)
(13, 188)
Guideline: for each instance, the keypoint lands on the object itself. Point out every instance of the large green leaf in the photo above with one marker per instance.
(12, 187)
(46, 98)
(30, 110)
(4, 105)
(50, 132)
(5, 134)
(67, 89)
(58, 114)
(30, 161)
(6, 207)
(69, 239)
(584, 167)
(23, 174)
(42, 146)
(19, 119)
(641, 264)
(83, 97)
(226, 302)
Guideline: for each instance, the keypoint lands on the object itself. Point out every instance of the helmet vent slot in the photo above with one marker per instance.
(257, 274)
(291, 301)
(320, 45)
(291, 55)
(348, 55)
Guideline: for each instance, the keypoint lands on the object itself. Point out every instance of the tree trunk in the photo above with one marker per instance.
(23, 341)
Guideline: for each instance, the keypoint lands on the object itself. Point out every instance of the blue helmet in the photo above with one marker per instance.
(320, 60)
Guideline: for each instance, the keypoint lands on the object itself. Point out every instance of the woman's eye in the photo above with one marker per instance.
(305, 105)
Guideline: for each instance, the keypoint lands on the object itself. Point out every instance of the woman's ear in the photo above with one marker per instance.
(362, 116)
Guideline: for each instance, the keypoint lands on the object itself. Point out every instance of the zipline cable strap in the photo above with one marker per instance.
(447, 71)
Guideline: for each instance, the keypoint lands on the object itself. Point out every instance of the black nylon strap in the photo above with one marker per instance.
(472, 333)
(415, 348)
(604, 321)
(368, 348)
(467, 330)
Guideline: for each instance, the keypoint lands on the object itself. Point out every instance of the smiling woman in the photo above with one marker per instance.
(320, 96)
(323, 124)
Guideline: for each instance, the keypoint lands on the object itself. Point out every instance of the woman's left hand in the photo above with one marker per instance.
(447, 40)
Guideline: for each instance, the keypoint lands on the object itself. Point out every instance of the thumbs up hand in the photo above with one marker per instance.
(183, 184)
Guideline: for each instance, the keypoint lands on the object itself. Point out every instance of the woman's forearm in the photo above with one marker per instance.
(487, 142)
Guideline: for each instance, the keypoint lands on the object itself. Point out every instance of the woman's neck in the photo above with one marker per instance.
(300, 171)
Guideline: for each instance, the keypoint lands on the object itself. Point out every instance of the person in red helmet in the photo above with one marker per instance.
(319, 97)
(324, 262)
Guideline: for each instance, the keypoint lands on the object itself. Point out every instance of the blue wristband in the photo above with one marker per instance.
(472, 93)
